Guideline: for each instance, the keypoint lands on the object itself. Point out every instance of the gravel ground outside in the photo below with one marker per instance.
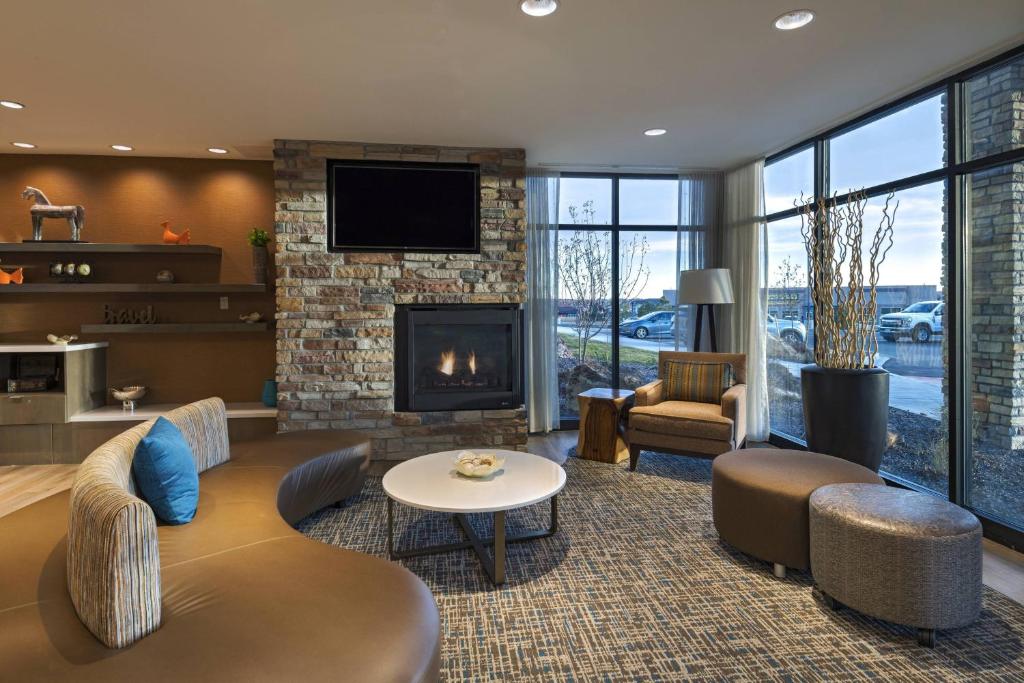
(919, 455)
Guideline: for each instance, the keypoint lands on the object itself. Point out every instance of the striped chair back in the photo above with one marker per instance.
(113, 552)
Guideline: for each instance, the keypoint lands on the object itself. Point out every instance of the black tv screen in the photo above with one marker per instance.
(403, 206)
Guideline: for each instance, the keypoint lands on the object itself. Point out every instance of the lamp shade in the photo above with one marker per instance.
(706, 286)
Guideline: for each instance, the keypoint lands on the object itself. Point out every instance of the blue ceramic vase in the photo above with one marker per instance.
(270, 393)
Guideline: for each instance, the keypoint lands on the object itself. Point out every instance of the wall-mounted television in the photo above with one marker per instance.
(403, 206)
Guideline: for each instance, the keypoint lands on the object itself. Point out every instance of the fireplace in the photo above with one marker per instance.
(458, 357)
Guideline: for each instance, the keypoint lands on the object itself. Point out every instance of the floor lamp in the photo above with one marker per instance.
(705, 287)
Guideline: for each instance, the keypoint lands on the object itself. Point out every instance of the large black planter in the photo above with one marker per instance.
(846, 412)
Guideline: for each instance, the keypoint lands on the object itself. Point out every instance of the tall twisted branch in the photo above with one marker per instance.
(844, 288)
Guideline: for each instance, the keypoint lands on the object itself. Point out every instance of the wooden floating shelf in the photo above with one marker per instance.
(106, 248)
(174, 328)
(149, 411)
(132, 288)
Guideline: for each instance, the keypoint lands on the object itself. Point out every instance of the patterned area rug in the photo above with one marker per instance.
(637, 586)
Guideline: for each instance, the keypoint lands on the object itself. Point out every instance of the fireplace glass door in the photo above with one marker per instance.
(457, 357)
(462, 358)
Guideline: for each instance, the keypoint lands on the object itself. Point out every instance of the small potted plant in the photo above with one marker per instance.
(259, 239)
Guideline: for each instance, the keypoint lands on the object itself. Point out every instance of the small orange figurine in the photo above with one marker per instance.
(172, 238)
(16, 277)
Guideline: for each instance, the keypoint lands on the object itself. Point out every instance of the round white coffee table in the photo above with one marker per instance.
(430, 482)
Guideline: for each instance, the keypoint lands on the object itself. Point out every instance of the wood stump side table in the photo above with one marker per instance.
(602, 436)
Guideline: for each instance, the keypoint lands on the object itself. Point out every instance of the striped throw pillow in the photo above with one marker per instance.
(696, 381)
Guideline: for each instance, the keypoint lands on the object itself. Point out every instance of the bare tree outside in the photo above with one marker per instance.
(584, 269)
(584, 264)
(789, 274)
(633, 274)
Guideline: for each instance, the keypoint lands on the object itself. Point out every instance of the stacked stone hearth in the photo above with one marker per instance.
(335, 311)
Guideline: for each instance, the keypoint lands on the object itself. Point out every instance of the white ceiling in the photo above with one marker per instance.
(175, 77)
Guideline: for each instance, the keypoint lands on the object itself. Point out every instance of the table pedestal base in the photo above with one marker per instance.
(492, 562)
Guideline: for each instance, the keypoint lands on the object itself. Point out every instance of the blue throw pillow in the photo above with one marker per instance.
(166, 474)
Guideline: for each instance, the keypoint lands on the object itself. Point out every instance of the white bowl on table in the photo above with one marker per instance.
(478, 463)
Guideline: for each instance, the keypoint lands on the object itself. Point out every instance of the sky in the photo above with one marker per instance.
(902, 144)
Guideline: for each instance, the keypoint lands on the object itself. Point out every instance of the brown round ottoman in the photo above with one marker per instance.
(759, 500)
(898, 555)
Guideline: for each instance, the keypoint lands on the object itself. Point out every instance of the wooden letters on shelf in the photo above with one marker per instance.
(128, 316)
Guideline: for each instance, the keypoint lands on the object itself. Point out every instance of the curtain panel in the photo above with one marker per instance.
(742, 252)
(696, 231)
(542, 300)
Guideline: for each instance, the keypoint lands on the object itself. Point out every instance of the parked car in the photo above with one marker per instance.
(793, 332)
(919, 321)
(656, 324)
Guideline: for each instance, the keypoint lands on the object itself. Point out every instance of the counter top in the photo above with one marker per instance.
(148, 412)
(51, 348)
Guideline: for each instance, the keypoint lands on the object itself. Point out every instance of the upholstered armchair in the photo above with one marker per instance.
(688, 427)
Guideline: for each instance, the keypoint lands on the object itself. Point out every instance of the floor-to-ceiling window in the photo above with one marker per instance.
(788, 185)
(647, 276)
(993, 215)
(950, 303)
(621, 244)
(585, 288)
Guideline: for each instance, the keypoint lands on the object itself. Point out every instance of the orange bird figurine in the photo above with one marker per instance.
(172, 238)
(16, 277)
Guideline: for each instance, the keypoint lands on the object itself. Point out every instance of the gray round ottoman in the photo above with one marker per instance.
(903, 556)
(759, 500)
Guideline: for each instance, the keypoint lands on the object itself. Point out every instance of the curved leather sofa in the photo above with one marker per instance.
(242, 595)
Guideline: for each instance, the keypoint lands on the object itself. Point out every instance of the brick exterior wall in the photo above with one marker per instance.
(335, 312)
(995, 105)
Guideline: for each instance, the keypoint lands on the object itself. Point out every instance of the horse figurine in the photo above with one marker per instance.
(43, 209)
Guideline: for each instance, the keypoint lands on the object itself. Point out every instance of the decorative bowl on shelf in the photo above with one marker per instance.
(128, 396)
(477, 464)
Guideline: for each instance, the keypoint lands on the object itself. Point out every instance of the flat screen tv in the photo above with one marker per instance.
(403, 206)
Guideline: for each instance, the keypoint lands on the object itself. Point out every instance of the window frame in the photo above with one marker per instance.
(615, 228)
(956, 314)
(786, 154)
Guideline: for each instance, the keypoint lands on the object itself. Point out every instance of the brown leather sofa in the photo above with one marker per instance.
(685, 427)
(241, 594)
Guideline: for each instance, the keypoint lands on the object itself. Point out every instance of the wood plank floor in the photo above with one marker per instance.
(21, 485)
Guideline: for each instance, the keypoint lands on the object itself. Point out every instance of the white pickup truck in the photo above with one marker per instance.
(920, 321)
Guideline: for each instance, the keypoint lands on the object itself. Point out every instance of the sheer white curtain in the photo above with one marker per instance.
(742, 252)
(541, 299)
(698, 223)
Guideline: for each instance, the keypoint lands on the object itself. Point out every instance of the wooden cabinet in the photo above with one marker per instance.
(34, 425)
(32, 408)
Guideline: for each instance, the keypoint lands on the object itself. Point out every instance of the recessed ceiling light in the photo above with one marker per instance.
(654, 132)
(538, 8)
(24, 145)
(794, 19)
(122, 148)
(11, 104)
(217, 150)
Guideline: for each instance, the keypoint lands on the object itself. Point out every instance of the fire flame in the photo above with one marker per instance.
(447, 366)
(472, 361)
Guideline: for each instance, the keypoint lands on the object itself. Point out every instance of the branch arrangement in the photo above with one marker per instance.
(844, 289)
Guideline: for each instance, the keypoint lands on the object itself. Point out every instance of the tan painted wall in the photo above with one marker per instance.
(125, 199)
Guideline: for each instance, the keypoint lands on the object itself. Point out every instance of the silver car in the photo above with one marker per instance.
(793, 332)
(656, 324)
